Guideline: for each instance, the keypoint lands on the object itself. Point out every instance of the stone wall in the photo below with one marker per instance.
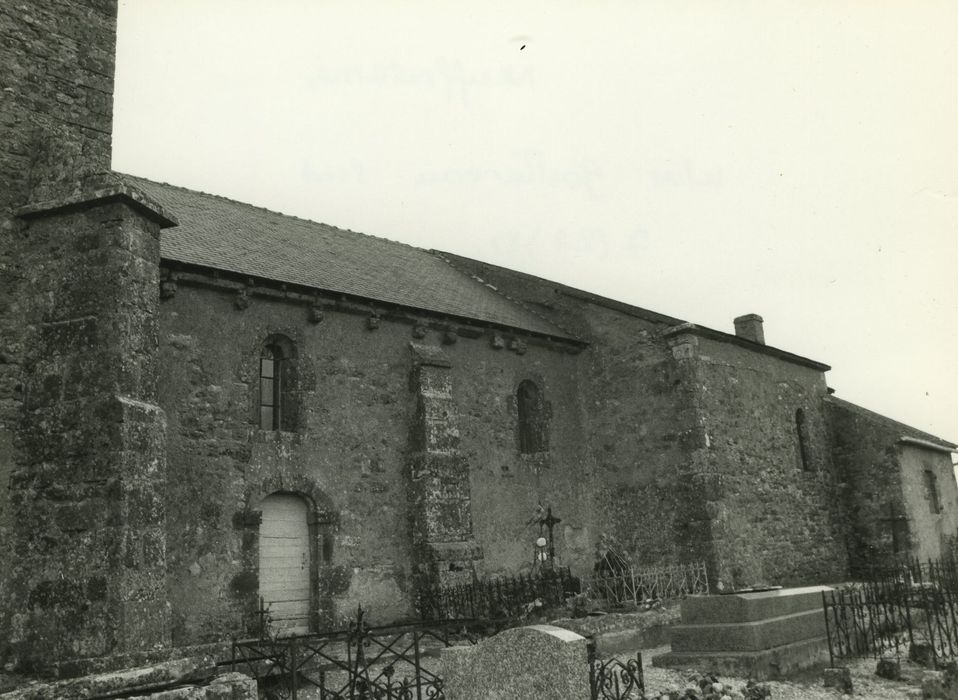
(639, 437)
(55, 132)
(88, 530)
(636, 416)
(185, 678)
(694, 443)
(767, 482)
(56, 114)
(865, 452)
(370, 414)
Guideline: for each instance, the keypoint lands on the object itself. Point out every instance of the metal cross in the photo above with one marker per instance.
(549, 521)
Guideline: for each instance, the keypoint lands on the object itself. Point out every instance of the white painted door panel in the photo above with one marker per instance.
(284, 563)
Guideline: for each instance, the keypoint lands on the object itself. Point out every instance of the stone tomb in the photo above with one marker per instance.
(539, 661)
(767, 634)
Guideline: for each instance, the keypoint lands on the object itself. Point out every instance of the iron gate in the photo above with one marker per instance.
(613, 679)
(395, 662)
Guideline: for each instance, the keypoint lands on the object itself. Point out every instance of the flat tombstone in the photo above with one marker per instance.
(762, 634)
(540, 661)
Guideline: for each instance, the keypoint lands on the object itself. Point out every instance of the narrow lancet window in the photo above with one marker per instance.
(931, 492)
(531, 427)
(270, 388)
(801, 431)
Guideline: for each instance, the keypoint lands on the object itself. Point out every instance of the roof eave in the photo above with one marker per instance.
(207, 269)
(712, 334)
(945, 447)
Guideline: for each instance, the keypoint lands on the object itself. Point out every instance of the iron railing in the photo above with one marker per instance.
(941, 572)
(912, 604)
(498, 599)
(614, 679)
(393, 662)
(640, 586)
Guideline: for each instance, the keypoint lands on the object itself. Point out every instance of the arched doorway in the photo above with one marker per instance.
(284, 563)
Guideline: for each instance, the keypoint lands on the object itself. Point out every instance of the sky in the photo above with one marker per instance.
(702, 159)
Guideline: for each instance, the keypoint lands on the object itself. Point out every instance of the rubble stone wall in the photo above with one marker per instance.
(57, 110)
(638, 434)
(358, 435)
(55, 128)
(638, 416)
(694, 443)
(771, 484)
(866, 455)
(88, 534)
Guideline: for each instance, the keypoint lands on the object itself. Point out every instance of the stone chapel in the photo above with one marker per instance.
(204, 404)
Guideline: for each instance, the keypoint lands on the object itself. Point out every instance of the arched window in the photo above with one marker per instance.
(801, 430)
(931, 492)
(531, 413)
(271, 388)
(277, 408)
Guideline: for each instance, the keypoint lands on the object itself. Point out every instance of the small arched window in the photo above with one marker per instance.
(931, 492)
(801, 431)
(271, 389)
(531, 413)
(276, 399)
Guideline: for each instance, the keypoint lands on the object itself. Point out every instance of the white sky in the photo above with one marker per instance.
(701, 159)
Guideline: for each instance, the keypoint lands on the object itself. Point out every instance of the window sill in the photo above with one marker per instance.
(283, 437)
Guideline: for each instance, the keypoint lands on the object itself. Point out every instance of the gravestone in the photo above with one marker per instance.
(539, 661)
(767, 634)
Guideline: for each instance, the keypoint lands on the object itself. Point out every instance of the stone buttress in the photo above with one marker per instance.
(82, 442)
(87, 493)
(445, 550)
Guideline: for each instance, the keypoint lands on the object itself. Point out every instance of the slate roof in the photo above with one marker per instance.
(224, 234)
(906, 430)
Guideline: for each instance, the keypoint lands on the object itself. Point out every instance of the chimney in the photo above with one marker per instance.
(749, 327)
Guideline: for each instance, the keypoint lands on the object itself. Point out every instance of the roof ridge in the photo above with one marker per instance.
(518, 302)
(272, 211)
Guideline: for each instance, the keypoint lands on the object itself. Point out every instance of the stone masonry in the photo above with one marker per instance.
(86, 501)
(441, 502)
(431, 408)
(55, 124)
(84, 439)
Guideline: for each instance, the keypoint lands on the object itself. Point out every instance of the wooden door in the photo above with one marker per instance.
(284, 564)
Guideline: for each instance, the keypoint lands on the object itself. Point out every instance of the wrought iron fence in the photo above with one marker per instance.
(638, 586)
(941, 572)
(394, 662)
(501, 598)
(913, 604)
(613, 679)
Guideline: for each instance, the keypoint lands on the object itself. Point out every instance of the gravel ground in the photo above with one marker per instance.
(866, 683)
